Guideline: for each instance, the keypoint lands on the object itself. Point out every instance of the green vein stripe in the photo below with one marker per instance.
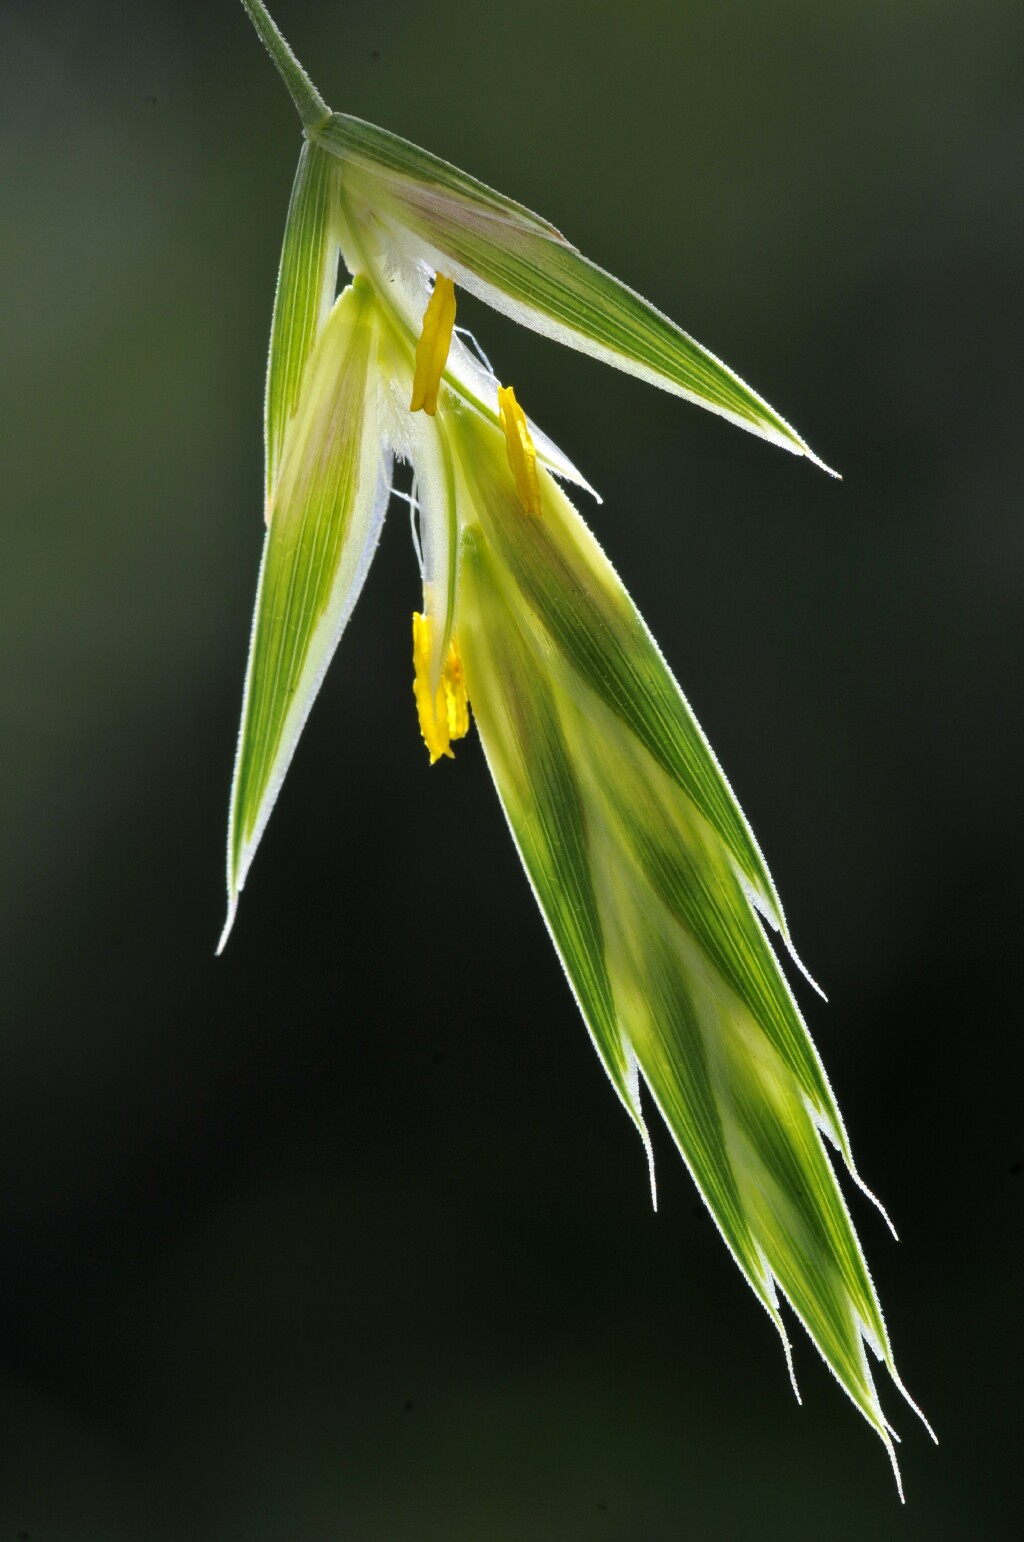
(306, 282)
(533, 771)
(353, 139)
(595, 625)
(521, 259)
(319, 491)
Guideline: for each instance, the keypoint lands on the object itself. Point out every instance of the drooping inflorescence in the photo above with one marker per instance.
(649, 878)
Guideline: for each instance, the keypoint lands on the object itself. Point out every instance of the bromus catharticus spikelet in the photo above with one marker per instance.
(649, 878)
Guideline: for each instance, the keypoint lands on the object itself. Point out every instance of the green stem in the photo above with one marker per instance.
(311, 106)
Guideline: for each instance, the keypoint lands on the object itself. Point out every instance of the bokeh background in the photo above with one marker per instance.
(343, 1235)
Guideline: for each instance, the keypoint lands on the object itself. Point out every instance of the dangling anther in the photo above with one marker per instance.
(432, 348)
(444, 713)
(522, 457)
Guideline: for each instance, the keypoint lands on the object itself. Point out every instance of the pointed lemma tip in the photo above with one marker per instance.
(228, 924)
(645, 1136)
(816, 460)
(870, 1194)
(798, 961)
(787, 1350)
(885, 1433)
(896, 1472)
(901, 1389)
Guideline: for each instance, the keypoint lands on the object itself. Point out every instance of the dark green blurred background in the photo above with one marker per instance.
(344, 1235)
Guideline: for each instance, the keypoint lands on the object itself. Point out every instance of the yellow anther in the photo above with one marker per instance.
(444, 713)
(456, 697)
(522, 457)
(432, 348)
